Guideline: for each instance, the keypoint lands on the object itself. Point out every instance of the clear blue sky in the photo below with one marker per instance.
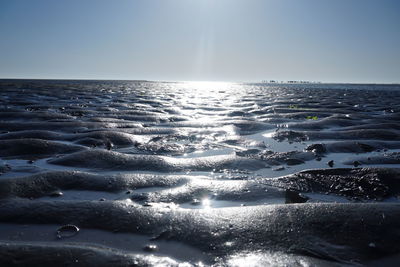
(217, 40)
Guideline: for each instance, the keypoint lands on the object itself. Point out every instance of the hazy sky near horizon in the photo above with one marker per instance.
(215, 40)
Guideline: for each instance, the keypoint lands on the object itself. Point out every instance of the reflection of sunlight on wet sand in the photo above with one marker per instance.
(204, 105)
(200, 95)
(268, 259)
(204, 93)
(269, 134)
(206, 203)
(202, 87)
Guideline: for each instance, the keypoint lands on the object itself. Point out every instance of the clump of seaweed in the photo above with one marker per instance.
(312, 118)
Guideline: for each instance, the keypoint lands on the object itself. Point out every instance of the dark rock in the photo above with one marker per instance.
(317, 148)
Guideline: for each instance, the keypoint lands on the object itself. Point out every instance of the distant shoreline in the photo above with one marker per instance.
(151, 81)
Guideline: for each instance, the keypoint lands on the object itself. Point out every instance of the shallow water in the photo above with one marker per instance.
(195, 147)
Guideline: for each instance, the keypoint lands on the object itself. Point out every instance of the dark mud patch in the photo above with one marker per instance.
(277, 158)
(383, 158)
(369, 134)
(351, 147)
(362, 183)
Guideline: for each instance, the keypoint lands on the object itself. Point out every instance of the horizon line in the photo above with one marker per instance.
(216, 81)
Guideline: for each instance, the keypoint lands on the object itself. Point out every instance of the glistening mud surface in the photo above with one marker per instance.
(180, 174)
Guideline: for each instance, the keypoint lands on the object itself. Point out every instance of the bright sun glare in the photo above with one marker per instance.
(208, 86)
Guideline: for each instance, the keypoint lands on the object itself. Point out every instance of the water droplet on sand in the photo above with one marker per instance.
(150, 248)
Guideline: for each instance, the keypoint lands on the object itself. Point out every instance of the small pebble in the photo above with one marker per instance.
(56, 194)
(195, 202)
(330, 163)
(109, 145)
(67, 230)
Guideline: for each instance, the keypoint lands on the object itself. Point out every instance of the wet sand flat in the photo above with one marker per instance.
(136, 173)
